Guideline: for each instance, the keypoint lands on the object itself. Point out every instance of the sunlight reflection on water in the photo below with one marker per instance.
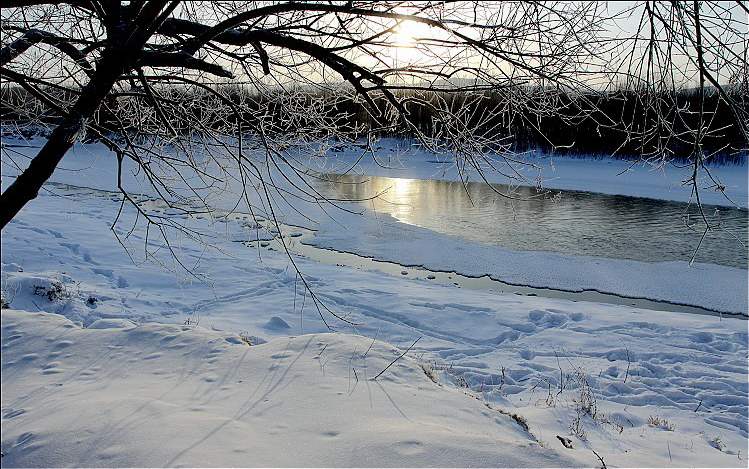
(571, 222)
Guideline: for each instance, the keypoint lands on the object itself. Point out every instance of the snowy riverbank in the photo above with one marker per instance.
(159, 395)
(709, 286)
(169, 394)
(380, 236)
(402, 159)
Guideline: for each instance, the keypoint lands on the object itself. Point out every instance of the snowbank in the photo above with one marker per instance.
(161, 395)
(164, 395)
(714, 287)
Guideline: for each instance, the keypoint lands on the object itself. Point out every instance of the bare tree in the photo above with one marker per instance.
(702, 45)
(202, 97)
(93, 55)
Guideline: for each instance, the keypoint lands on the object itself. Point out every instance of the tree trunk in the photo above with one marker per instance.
(26, 186)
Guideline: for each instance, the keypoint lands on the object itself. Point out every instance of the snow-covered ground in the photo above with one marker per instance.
(713, 287)
(121, 395)
(113, 385)
(159, 395)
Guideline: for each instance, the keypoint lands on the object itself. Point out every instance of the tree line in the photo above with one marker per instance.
(626, 124)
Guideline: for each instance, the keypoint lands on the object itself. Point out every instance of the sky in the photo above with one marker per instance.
(580, 62)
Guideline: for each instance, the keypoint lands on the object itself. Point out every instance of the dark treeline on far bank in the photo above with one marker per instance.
(623, 124)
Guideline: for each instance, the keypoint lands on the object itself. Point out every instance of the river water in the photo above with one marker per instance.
(569, 222)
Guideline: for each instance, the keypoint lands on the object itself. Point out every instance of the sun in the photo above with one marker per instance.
(407, 41)
(408, 32)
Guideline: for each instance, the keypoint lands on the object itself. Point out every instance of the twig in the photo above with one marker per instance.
(603, 463)
(321, 351)
(370, 345)
(399, 357)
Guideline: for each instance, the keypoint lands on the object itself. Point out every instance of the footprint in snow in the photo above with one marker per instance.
(63, 344)
(702, 337)
(10, 413)
(527, 354)
(24, 438)
(105, 272)
(277, 324)
(409, 448)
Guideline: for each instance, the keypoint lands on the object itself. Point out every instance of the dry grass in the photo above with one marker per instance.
(246, 338)
(431, 372)
(717, 443)
(56, 291)
(663, 424)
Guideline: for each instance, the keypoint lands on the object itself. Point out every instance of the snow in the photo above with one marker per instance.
(155, 370)
(713, 287)
(165, 395)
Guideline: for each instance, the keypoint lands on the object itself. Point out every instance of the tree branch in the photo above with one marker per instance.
(35, 36)
(182, 60)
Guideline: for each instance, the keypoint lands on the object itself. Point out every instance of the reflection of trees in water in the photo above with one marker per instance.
(578, 223)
